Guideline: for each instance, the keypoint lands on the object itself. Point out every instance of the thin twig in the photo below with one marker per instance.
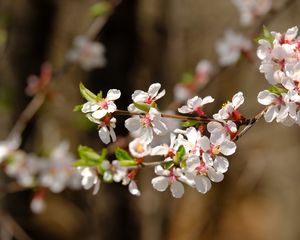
(252, 122)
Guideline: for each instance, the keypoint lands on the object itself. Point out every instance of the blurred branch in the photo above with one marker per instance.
(12, 227)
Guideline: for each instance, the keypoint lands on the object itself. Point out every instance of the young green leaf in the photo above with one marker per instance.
(121, 154)
(190, 123)
(180, 154)
(77, 108)
(187, 78)
(87, 94)
(142, 106)
(100, 9)
(277, 90)
(128, 163)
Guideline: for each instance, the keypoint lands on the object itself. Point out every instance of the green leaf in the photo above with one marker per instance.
(99, 96)
(103, 153)
(87, 94)
(77, 108)
(187, 78)
(277, 90)
(142, 106)
(180, 154)
(190, 123)
(168, 165)
(128, 163)
(84, 163)
(122, 155)
(266, 36)
(89, 157)
(100, 9)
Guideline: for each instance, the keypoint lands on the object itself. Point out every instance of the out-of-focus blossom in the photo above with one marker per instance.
(87, 53)
(231, 47)
(250, 9)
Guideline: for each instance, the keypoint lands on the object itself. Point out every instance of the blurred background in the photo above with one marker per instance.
(146, 41)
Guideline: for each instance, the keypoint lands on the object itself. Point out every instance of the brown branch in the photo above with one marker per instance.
(251, 123)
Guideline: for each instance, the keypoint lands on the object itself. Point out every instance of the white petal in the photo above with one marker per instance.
(160, 95)
(160, 150)
(177, 189)
(265, 98)
(217, 137)
(237, 100)
(291, 33)
(271, 113)
(113, 94)
(133, 189)
(207, 159)
(221, 164)
(153, 89)
(104, 135)
(203, 184)
(159, 127)
(99, 113)
(89, 107)
(111, 107)
(139, 96)
(133, 123)
(211, 126)
(160, 183)
(204, 143)
(112, 134)
(215, 176)
(185, 109)
(207, 100)
(227, 147)
(97, 187)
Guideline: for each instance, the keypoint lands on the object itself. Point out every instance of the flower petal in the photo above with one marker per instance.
(203, 184)
(177, 189)
(160, 183)
(113, 94)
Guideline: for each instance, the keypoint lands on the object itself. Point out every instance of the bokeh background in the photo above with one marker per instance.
(147, 41)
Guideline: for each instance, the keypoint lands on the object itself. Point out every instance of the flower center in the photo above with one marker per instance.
(103, 104)
(139, 148)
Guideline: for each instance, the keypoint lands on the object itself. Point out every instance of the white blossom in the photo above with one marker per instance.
(89, 178)
(87, 53)
(250, 9)
(196, 104)
(230, 48)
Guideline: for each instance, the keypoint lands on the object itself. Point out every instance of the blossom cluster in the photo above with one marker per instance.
(196, 154)
(279, 54)
(31, 171)
(250, 9)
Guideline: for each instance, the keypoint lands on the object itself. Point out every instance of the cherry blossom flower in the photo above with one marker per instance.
(147, 124)
(113, 171)
(230, 48)
(168, 151)
(169, 177)
(149, 97)
(37, 204)
(250, 9)
(104, 106)
(229, 109)
(196, 104)
(279, 54)
(139, 147)
(88, 54)
(132, 186)
(59, 173)
(8, 146)
(89, 178)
